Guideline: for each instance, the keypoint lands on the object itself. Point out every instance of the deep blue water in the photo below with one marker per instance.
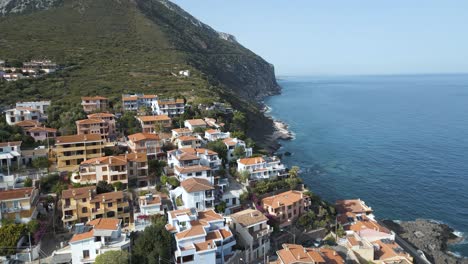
(398, 142)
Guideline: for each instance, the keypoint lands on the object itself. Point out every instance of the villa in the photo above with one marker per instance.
(42, 133)
(195, 193)
(192, 124)
(16, 115)
(286, 207)
(147, 143)
(169, 107)
(262, 168)
(232, 144)
(153, 124)
(94, 103)
(19, 205)
(291, 254)
(216, 134)
(133, 102)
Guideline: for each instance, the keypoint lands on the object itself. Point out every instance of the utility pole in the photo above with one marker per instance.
(30, 247)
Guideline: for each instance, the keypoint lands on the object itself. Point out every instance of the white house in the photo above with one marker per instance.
(169, 107)
(195, 193)
(188, 142)
(262, 168)
(179, 132)
(19, 114)
(10, 152)
(232, 144)
(194, 156)
(38, 105)
(132, 102)
(253, 233)
(216, 134)
(197, 171)
(192, 124)
(201, 237)
(96, 237)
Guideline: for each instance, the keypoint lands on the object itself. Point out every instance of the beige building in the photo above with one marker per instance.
(72, 150)
(152, 124)
(19, 204)
(94, 103)
(108, 117)
(93, 126)
(294, 254)
(80, 205)
(147, 143)
(286, 207)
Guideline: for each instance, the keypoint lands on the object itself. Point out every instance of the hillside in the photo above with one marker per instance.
(115, 46)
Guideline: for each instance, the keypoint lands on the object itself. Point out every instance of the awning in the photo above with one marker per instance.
(6, 156)
(15, 153)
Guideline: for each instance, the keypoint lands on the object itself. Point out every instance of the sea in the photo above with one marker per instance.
(399, 142)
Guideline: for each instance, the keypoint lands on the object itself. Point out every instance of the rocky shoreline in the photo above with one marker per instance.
(430, 237)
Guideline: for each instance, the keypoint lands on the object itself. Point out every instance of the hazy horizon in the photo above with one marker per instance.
(341, 38)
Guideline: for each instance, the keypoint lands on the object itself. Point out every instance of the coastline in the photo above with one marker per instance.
(442, 235)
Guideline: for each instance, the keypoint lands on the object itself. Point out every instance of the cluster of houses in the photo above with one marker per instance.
(203, 233)
(30, 69)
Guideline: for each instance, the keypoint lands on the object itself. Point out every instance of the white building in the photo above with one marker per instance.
(10, 152)
(38, 105)
(195, 193)
(216, 134)
(253, 233)
(169, 107)
(190, 156)
(201, 237)
(179, 132)
(96, 237)
(192, 124)
(232, 144)
(188, 142)
(132, 102)
(19, 114)
(262, 168)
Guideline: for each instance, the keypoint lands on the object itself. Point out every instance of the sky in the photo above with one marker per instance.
(316, 37)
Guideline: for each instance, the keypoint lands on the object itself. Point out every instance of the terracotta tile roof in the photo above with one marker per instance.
(105, 223)
(204, 217)
(156, 199)
(225, 233)
(298, 254)
(92, 98)
(186, 156)
(175, 213)
(213, 235)
(108, 197)
(28, 123)
(130, 98)
(202, 246)
(83, 236)
(187, 138)
(100, 115)
(249, 217)
(362, 225)
(196, 122)
(196, 230)
(386, 251)
(136, 157)
(356, 206)
(78, 139)
(78, 193)
(143, 136)
(89, 121)
(251, 161)
(149, 96)
(283, 199)
(169, 102)
(202, 151)
(42, 129)
(196, 185)
(190, 169)
(182, 130)
(10, 144)
(331, 256)
(16, 193)
(154, 118)
(212, 131)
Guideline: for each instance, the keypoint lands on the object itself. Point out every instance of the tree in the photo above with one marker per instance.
(152, 243)
(10, 234)
(244, 176)
(219, 147)
(173, 182)
(199, 130)
(164, 179)
(128, 123)
(156, 168)
(221, 207)
(239, 122)
(28, 182)
(118, 185)
(294, 171)
(239, 135)
(41, 163)
(239, 152)
(113, 256)
(104, 187)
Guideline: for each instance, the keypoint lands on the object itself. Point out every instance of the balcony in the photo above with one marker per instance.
(12, 209)
(260, 233)
(68, 218)
(96, 211)
(67, 207)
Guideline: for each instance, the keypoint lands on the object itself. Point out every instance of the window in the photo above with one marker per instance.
(83, 200)
(109, 205)
(289, 207)
(85, 254)
(198, 174)
(84, 210)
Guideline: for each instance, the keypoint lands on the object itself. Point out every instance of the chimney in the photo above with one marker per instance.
(103, 199)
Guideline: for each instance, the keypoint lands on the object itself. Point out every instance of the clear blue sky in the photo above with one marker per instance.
(345, 37)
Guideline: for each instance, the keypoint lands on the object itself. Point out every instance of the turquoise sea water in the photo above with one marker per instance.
(398, 142)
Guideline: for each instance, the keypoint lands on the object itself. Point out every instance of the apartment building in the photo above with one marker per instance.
(147, 143)
(178, 132)
(108, 118)
(353, 208)
(72, 150)
(80, 205)
(195, 193)
(232, 144)
(291, 254)
(92, 127)
(201, 237)
(194, 156)
(188, 142)
(94, 103)
(286, 207)
(153, 124)
(169, 107)
(253, 233)
(262, 168)
(97, 237)
(16, 115)
(19, 204)
(133, 102)
(216, 134)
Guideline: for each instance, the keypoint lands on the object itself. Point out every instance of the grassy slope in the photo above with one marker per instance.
(111, 46)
